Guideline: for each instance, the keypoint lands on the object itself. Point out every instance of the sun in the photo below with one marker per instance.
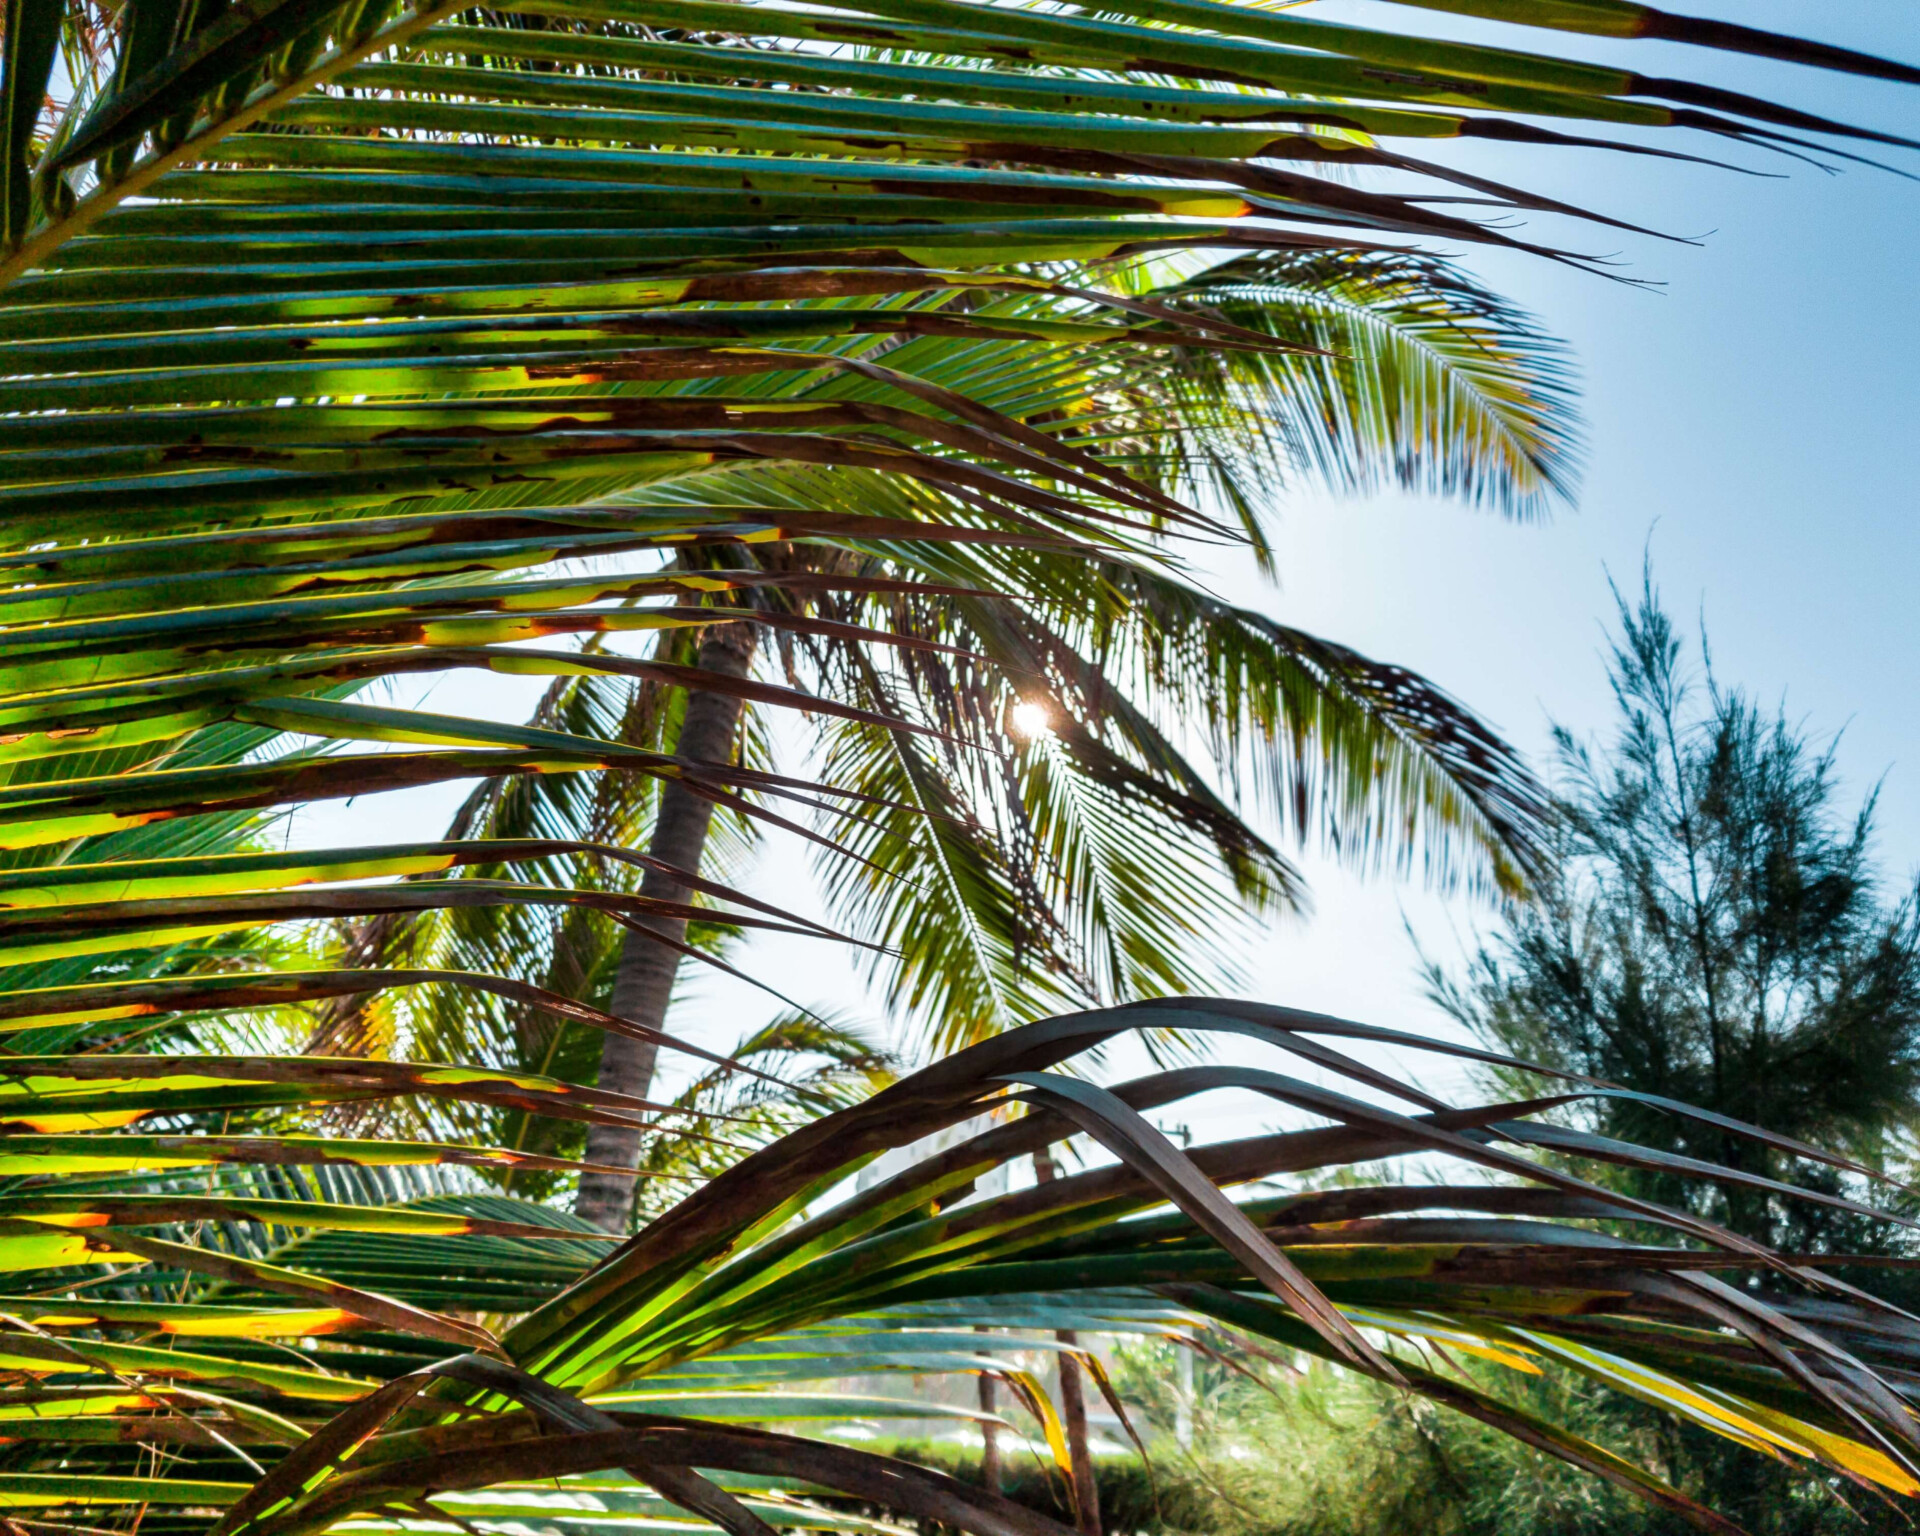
(1030, 721)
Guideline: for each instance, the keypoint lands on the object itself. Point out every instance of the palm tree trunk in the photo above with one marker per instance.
(1073, 1413)
(989, 1432)
(643, 981)
(1073, 1398)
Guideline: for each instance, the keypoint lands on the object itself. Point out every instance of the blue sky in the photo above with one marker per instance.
(1753, 422)
(1754, 418)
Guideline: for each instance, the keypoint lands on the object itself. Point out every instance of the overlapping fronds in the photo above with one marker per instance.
(1401, 369)
(457, 1349)
(439, 281)
(346, 342)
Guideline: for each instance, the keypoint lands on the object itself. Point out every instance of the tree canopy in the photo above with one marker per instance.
(1716, 932)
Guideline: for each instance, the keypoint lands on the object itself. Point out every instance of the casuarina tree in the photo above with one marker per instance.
(1717, 930)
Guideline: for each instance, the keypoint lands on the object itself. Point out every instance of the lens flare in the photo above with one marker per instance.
(1029, 721)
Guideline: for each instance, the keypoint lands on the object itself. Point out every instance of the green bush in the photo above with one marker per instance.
(1318, 1452)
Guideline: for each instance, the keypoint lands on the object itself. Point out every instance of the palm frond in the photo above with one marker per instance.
(1400, 369)
(342, 343)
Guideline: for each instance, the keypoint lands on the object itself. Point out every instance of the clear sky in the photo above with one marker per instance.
(1755, 418)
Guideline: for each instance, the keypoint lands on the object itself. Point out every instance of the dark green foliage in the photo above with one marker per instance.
(1717, 933)
(31, 37)
(1132, 1497)
(1286, 1452)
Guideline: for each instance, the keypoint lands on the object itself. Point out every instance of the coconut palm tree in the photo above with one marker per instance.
(352, 311)
(1097, 859)
(331, 334)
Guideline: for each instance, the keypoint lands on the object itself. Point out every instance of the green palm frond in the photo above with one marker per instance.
(563, 245)
(812, 1065)
(1408, 372)
(741, 1303)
